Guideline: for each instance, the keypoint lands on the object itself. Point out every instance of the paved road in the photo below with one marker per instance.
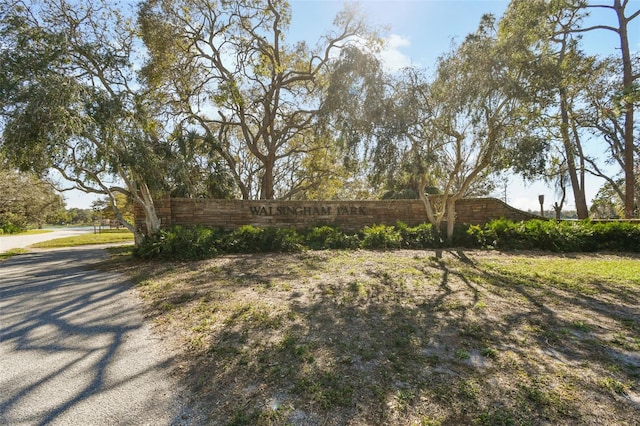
(8, 242)
(74, 349)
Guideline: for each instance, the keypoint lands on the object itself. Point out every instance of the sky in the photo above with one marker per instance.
(417, 33)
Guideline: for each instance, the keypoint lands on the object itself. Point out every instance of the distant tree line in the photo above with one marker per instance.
(27, 201)
(198, 98)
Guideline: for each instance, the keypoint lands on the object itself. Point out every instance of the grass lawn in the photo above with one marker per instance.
(10, 253)
(403, 337)
(105, 237)
(29, 232)
(36, 231)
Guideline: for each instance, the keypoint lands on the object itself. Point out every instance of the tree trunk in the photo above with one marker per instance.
(627, 82)
(140, 193)
(558, 210)
(428, 208)
(151, 217)
(152, 222)
(576, 181)
(267, 191)
(425, 201)
(451, 217)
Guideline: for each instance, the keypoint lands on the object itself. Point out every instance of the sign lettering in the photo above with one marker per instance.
(306, 210)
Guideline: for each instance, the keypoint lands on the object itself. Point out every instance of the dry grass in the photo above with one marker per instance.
(405, 337)
(10, 253)
(104, 237)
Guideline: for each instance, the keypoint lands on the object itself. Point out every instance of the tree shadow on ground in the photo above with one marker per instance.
(67, 341)
(426, 338)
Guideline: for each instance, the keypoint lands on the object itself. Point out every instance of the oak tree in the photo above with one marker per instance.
(25, 199)
(627, 93)
(227, 72)
(70, 101)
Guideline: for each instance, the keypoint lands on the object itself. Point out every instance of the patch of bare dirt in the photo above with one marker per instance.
(404, 337)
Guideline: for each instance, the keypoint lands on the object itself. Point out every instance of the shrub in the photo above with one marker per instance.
(499, 234)
(11, 228)
(418, 237)
(327, 237)
(179, 243)
(480, 237)
(573, 236)
(200, 242)
(250, 239)
(151, 246)
(281, 240)
(381, 237)
(616, 236)
(243, 240)
(461, 236)
(564, 236)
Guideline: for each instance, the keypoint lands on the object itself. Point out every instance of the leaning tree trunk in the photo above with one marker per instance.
(451, 217)
(628, 79)
(141, 194)
(150, 216)
(577, 184)
(428, 207)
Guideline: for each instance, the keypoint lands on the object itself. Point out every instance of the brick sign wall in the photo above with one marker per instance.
(348, 215)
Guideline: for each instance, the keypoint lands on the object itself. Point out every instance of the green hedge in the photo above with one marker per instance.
(327, 237)
(10, 228)
(200, 242)
(180, 243)
(563, 236)
(580, 236)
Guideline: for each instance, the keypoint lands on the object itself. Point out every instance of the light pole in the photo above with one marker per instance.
(541, 200)
(97, 218)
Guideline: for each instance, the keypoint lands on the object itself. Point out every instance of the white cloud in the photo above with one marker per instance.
(392, 56)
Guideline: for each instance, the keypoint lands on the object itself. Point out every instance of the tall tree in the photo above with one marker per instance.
(72, 100)
(25, 199)
(449, 134)
(601, 114)
(549, 33)
(226, 69)
(607, 203)
(559, 71)
(358, 111)
(196, 171)
(69, 99)
(628, 93)
(482, 117)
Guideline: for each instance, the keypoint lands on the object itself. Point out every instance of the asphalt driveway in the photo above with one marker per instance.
(8, 242)
(74, 349)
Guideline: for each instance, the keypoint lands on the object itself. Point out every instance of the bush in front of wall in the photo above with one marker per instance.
(188, 243)
(563, 236)
(245, 239)
(566, 236)
(283, 240)
(418, 237)
(381, 237)
(504, 234)
(328, 237)
(497, 234)
(617, 236)
(251, 239)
